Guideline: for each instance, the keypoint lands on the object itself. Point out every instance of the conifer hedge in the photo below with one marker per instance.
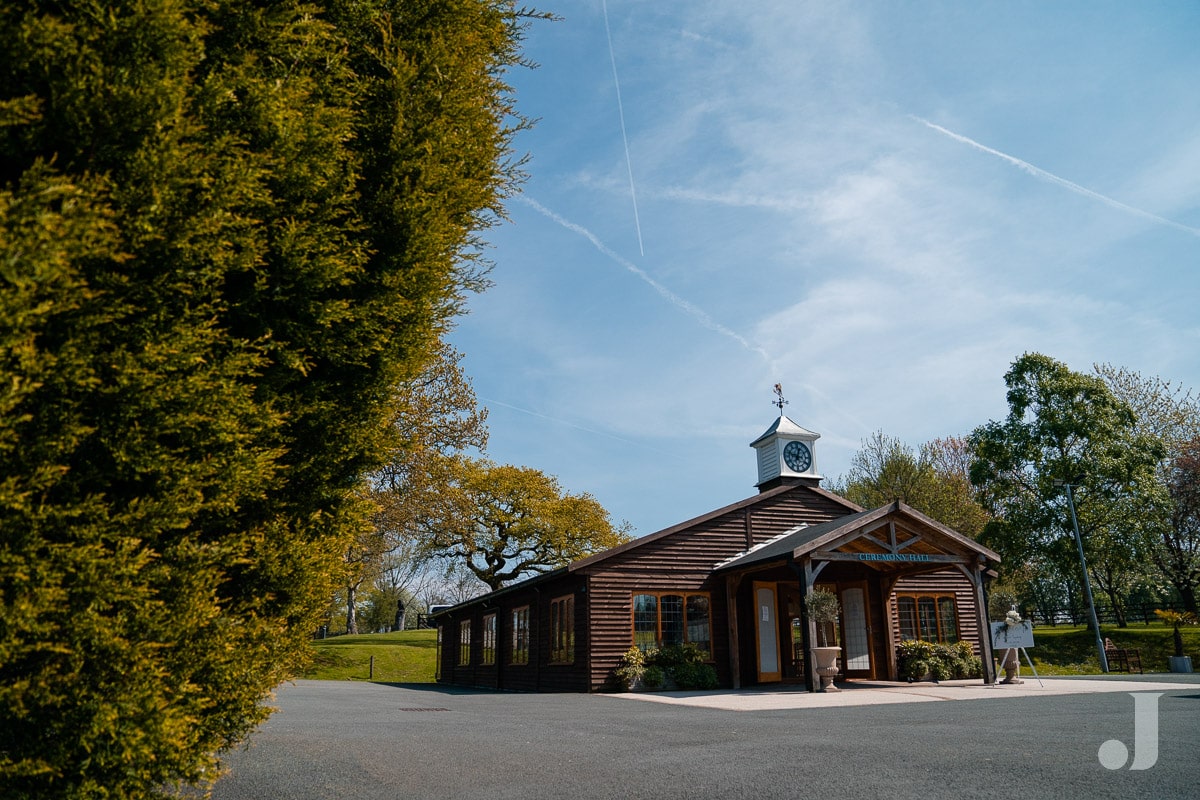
(228, 229)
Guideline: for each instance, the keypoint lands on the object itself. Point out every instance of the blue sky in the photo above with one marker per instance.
(879, 205)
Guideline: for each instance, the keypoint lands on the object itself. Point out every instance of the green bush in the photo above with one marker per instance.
(653, 677)
(914, 669)
(230, 232)
(684, 665)
(630, 669)
(694, 676)
(672, 655)
(942, 661)
(707, 677)
(941, 669)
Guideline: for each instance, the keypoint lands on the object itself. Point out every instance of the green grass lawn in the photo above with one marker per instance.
(409, 656)
(401, 657)
(1071, 650)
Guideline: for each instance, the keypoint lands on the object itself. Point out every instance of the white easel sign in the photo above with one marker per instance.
(1006, 635)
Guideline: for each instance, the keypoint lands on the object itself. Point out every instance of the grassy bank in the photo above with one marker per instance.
(409, 656)
(401, 657)
(1071, 650)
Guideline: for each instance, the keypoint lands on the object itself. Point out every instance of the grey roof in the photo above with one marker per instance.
(784, 545)
(786, 425)
(812, 537)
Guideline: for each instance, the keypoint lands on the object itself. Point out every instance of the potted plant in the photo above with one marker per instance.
(1179, 662)
(823, 608)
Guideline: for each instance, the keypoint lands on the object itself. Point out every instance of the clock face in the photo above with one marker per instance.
(797, 456)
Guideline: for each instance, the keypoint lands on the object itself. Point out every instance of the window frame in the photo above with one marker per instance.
(658, 595)
(918, 621)
(464, 643)
(487, 656)
(519, 655)
(562, 630)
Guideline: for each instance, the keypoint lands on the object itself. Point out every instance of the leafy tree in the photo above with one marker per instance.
(884, 470)
(228, 231)
(434, 414)
(1170, 415)
(1063, 426)
(504, 522)
(1178, 552)
(449, 581)
(934, 481)
(951, 497)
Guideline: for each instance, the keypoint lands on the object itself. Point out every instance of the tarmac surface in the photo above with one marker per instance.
(950, 740)
(862, 693)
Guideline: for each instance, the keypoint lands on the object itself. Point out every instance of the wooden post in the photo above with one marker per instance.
(981, 612)
(735, 657)
(808, 629)
(888, 585)
(372, 675)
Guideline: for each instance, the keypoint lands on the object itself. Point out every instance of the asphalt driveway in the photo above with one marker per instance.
(365, 740)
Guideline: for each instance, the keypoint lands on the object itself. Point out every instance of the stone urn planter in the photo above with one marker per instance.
(823, 608)
(1180, 663)
(825, 660)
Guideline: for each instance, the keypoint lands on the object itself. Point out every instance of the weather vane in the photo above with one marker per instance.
(779, 401)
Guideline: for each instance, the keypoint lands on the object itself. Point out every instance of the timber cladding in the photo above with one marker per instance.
(683, 560)
(567, 630)
(934, 585)
(678, 559)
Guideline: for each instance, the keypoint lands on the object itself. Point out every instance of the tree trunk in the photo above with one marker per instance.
(1187, 593)
(1114, 600)
(351, 612)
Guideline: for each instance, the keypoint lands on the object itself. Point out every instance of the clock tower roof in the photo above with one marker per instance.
(787, 428)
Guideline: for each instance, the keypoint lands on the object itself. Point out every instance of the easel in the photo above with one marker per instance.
(1028, 660)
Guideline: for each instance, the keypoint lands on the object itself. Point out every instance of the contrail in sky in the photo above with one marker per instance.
(672, 298)
(569, 424)
(1063, 182)
(637, 222)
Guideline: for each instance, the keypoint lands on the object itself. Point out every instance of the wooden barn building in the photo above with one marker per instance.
(732, 582)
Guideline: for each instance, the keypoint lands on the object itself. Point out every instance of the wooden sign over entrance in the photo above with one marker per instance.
(895, 558)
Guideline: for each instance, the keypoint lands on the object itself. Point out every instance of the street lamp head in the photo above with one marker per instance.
(1073, 480)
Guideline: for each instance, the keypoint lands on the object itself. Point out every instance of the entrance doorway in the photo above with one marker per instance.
(766, 632)
(856, 631)
(779, 649)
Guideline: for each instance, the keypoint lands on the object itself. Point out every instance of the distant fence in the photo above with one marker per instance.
(1105, 614)
(424, 622)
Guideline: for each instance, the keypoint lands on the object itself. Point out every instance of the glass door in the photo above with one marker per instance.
(766, 630)
(856, 632)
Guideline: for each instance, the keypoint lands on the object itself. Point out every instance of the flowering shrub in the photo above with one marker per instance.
(684, 665)
(941, 661)
(630, 669)
(674, 666)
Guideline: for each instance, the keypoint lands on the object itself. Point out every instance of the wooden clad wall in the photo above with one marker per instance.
(683, 561)
(947, 581)
(539, 674)
(680, 559)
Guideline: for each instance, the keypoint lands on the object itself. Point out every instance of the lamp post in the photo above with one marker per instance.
(1087, 583)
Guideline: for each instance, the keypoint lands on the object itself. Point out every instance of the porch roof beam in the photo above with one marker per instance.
(891, 558)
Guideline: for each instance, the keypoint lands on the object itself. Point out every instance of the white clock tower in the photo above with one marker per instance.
(786, 453)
